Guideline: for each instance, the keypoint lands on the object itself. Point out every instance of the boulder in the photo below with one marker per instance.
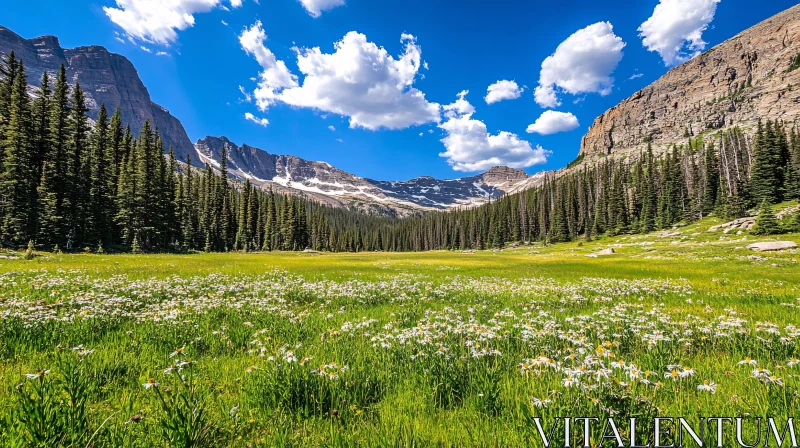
(609, 251)
(736, 224)
(772, 246)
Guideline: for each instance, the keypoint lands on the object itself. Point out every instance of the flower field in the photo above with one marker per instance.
(442, 349)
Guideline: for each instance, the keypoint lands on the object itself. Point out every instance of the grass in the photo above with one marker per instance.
(385, 349)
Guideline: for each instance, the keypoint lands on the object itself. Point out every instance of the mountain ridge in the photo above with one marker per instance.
(746, 77)
(328, 184)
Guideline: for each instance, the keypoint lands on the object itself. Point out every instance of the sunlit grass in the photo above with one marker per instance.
(385, 349)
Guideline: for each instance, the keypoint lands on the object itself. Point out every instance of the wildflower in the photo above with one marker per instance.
(761, 374)
(569, 381)
(673, 374)
(150, 384)
(708, 387)
(772, 379)
(793, 362)
(177, 352)
(541, 403)
(251, 369)
(37, 375)
(748, 361)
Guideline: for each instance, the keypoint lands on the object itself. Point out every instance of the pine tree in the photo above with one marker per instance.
(100, 188)
(17, 183)
(53, 201)
(241, 241)
(711, 187)
(78, 169)
(765, 180)
(271, 223)
(766, 222)
(29, 255)
(649, 199)
(188, 207)
(40, 145)
(791, 224)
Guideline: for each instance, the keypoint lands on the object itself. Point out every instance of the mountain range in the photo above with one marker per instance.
(746, 78)
(111, 79)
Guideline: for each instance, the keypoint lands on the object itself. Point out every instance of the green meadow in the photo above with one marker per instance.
(395, 349)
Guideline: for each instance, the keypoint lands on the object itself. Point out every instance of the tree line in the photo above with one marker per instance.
(725, 174)
(67, 183)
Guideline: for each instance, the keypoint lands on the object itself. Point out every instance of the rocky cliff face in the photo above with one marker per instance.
(330, 185)
(105, 77)
(750, 76)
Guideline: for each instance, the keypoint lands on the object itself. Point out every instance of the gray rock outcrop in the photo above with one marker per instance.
(750, 76)
(772, 246)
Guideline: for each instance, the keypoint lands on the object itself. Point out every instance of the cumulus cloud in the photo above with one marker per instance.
(470, 147)
(675, 30)
(158, 21)
(503, 90)
(316, 7)
(553, 122)
(359, 80)
(259, 121)
(274, 76)
(583, 63)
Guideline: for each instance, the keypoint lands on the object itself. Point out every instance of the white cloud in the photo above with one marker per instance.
(275, 76)
(363, 82)
(247, 97)
(636, 76)
(315, 7)
(583, 63)
(145, 49)
(503, 90)
(675, 30)
(332, 129)
(470, 147)
(158, 21)
(553, 122)
(162, 53)
(260, 121)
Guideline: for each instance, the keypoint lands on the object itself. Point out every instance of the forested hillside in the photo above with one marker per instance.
(68, 184)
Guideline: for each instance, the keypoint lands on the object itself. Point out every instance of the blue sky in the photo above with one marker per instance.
(323, 106)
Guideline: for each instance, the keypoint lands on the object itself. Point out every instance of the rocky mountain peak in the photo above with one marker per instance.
(503, 174)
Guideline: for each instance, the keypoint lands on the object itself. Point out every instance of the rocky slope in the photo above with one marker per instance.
(323, 182)
(752, 75)
(105, 77)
